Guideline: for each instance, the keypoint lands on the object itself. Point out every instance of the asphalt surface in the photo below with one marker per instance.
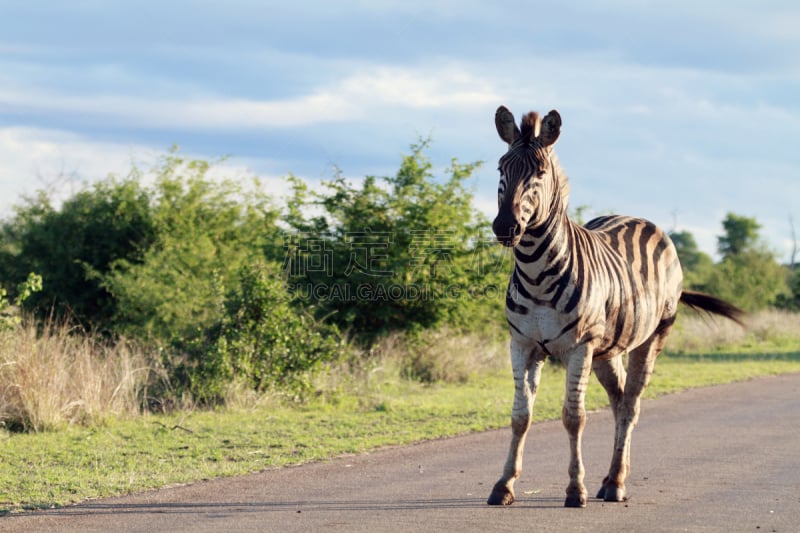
(723, 458)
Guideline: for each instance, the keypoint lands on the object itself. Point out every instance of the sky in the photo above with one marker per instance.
(678, 111)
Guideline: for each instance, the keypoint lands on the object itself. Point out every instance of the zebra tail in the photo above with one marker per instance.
(700, 301)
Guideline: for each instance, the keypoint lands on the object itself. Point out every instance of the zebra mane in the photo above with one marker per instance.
(563, 181)
(531, 126)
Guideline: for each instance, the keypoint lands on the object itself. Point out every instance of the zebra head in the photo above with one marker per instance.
(528, 180)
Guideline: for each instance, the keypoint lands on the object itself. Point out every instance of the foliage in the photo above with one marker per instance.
(752, 279)
(154, 255)
(791, 299)
(237, 293)
(748, 275)
(401, 252)
(123, 256)
(697, 265)
(204, 231)
(9, 315)
(263, 340)
(73, 247)
(741, 235)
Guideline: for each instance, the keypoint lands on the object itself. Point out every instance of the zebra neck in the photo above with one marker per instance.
(543, 254)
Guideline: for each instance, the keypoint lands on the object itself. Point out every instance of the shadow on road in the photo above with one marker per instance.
(102, 509)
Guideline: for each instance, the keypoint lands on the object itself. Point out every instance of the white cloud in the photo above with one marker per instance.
(191, 112)
(446, 87)
(34, 158)
(63, 162)
(346, 100)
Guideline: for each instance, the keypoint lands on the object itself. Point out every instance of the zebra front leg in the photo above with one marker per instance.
(573, 416)
(527, 368)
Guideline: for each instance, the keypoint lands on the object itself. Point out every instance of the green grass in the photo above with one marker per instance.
(121, 456)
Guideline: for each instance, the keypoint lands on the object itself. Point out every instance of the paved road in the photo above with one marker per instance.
(724, 458)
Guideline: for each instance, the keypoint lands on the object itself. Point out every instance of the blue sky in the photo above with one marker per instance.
(674, 111)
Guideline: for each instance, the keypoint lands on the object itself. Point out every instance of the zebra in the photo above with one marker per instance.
(583, 294)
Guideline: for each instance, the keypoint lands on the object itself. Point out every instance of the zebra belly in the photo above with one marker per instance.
(556, 333)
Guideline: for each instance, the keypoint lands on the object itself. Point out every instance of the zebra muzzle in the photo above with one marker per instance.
(508, 232)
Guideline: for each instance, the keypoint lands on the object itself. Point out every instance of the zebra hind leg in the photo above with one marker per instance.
(611, 375)
(640, 367)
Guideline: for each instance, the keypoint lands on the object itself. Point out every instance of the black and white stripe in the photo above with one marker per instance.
(585, 294)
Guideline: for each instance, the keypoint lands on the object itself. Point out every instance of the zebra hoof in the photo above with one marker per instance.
(575, 500)
(501, 495)
(602, 492)
(612, 493)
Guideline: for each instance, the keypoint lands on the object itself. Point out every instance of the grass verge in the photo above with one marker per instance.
(118, 456)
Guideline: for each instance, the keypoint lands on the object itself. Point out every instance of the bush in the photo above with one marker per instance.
(204, 230)
(396, 253)
(74, 246)
(265, 340)
(124, 256)
(9, 314)
(162, 257)
(752, 280)
(791, 300)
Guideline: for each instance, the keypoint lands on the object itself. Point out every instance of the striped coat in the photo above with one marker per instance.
(584, 294)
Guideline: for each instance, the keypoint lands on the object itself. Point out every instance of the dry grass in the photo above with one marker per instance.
(52, 376)
(438, 355)
(441, 355)
(695, 333)
(448, 356)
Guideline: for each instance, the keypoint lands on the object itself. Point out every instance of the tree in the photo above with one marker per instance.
(73, 246)
(123, 256)
(741, 234)
(752, 280)
(696, 264)
(263, 340)
(205, 230)
(393, 253)
(791, 299)
(748, 274)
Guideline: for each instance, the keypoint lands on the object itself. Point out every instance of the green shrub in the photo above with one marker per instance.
(265, 340)
(9, 314)
(395, 253)
(752, 280)
(205, 229)
(73, 246)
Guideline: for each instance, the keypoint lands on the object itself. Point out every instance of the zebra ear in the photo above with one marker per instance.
(551, 128)
(506, 127)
